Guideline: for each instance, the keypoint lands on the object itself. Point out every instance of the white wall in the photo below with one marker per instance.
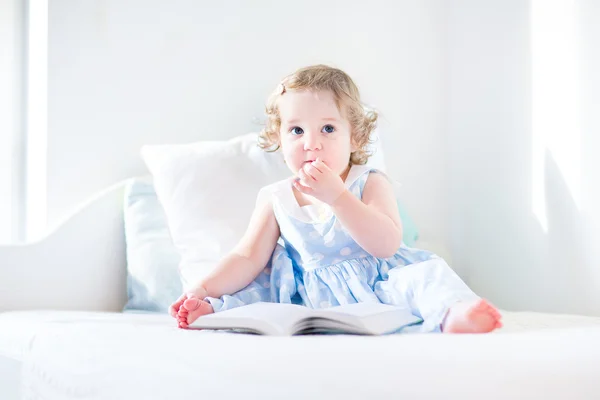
(589, 15)
(7, 72)
(122, 74)
(495, 234)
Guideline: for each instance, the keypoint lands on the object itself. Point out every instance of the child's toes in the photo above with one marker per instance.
(490, 309)
(487, 304)
(493, 311)
(482, 305)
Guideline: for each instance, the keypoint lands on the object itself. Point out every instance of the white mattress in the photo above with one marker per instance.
(74, 355)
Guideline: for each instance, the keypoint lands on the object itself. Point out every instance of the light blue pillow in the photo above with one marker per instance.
(153, 281)
(410, 234)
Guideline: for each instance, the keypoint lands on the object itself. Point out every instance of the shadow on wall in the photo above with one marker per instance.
(534, 269)
(568, 284)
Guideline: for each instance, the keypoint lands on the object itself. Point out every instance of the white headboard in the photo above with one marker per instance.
(79, 265)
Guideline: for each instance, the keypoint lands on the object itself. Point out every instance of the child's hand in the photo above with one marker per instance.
(174, 308)
(319, 181)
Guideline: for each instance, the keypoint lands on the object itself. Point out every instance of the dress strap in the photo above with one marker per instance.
(357, 178)
(355, 173)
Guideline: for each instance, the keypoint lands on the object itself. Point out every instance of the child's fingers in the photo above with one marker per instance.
(320, 164)
(313, 171)
(173, 311)
(314, 166)
(174, 308)
(302, 189)
(305, 180)
(305, 175)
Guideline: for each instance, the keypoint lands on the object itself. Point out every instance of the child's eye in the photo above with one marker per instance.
(328, 129)
(296, 131)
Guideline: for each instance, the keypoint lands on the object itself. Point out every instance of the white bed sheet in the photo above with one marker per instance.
(78, 355)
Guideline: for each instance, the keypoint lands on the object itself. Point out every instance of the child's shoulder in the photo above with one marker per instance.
(377, 180)
(359, 174)
(380, 183)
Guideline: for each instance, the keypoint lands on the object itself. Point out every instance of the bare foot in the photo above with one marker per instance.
(472, 317)
(191, 310)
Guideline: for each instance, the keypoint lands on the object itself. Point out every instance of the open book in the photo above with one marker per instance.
(290, 319)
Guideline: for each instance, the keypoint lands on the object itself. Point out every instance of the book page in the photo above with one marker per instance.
(374, 318)
(362, 309)
(265, 318)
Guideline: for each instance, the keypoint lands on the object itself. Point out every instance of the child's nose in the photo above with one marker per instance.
(312, 142)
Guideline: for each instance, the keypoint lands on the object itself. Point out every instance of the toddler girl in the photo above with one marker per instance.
(337, 219)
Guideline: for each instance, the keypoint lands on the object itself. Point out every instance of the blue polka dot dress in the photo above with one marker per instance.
(316, 263)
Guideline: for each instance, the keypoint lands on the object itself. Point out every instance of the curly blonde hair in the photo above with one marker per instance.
(345, 92)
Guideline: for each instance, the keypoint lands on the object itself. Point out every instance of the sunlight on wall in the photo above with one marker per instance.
(555, 113)
(8, 114)
(36, 208)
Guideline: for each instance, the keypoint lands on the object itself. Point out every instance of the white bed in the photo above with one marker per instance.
(92, 355)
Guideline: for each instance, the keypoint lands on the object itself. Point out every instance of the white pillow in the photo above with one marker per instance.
(208, 190)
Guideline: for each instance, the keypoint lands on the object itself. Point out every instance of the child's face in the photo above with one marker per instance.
(311, 127)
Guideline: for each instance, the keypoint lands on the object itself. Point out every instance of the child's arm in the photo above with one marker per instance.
(240, 267)
(374, 223)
